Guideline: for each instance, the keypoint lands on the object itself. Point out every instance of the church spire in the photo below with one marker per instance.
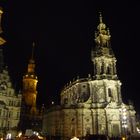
(32, 53)
(100, 17)
(32, 56)
(102, 56)
(31, 65)
(102, 36)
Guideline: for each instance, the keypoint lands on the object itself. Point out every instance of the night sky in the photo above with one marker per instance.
(63, 32)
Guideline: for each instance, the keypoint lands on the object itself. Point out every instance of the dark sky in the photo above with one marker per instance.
(64, 35)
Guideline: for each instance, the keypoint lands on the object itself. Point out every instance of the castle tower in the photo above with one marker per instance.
(30, 116)
(30, 85)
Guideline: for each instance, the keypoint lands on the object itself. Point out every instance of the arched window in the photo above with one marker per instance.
(102, 68)
(108, 70)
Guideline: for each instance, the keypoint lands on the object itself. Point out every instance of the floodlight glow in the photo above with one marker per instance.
(124, 117)
(37, 133)
(8, 136)
(19, 135)
(74, 138)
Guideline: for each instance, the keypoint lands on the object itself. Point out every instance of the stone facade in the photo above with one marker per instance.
(10, 105)
(10, 101)
(93, 105)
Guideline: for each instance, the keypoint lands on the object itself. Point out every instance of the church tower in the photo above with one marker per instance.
(30, 85)
(102, 56)
(104, 63)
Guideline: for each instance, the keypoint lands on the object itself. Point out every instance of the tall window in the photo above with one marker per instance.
(102, 68)
(108, 70)
(109, 92)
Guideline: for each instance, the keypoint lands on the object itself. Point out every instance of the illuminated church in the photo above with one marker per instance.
(93, 105)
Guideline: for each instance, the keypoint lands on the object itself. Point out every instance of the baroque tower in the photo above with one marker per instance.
(30, 85)
(30, 117)
(104, 63)
(103, 57)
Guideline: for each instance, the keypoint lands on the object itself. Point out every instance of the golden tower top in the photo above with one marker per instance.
(31, 65)
(102, 36)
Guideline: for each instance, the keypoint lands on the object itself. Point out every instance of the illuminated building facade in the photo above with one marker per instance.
(93, 105)
(10, 101)
(31, 117)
